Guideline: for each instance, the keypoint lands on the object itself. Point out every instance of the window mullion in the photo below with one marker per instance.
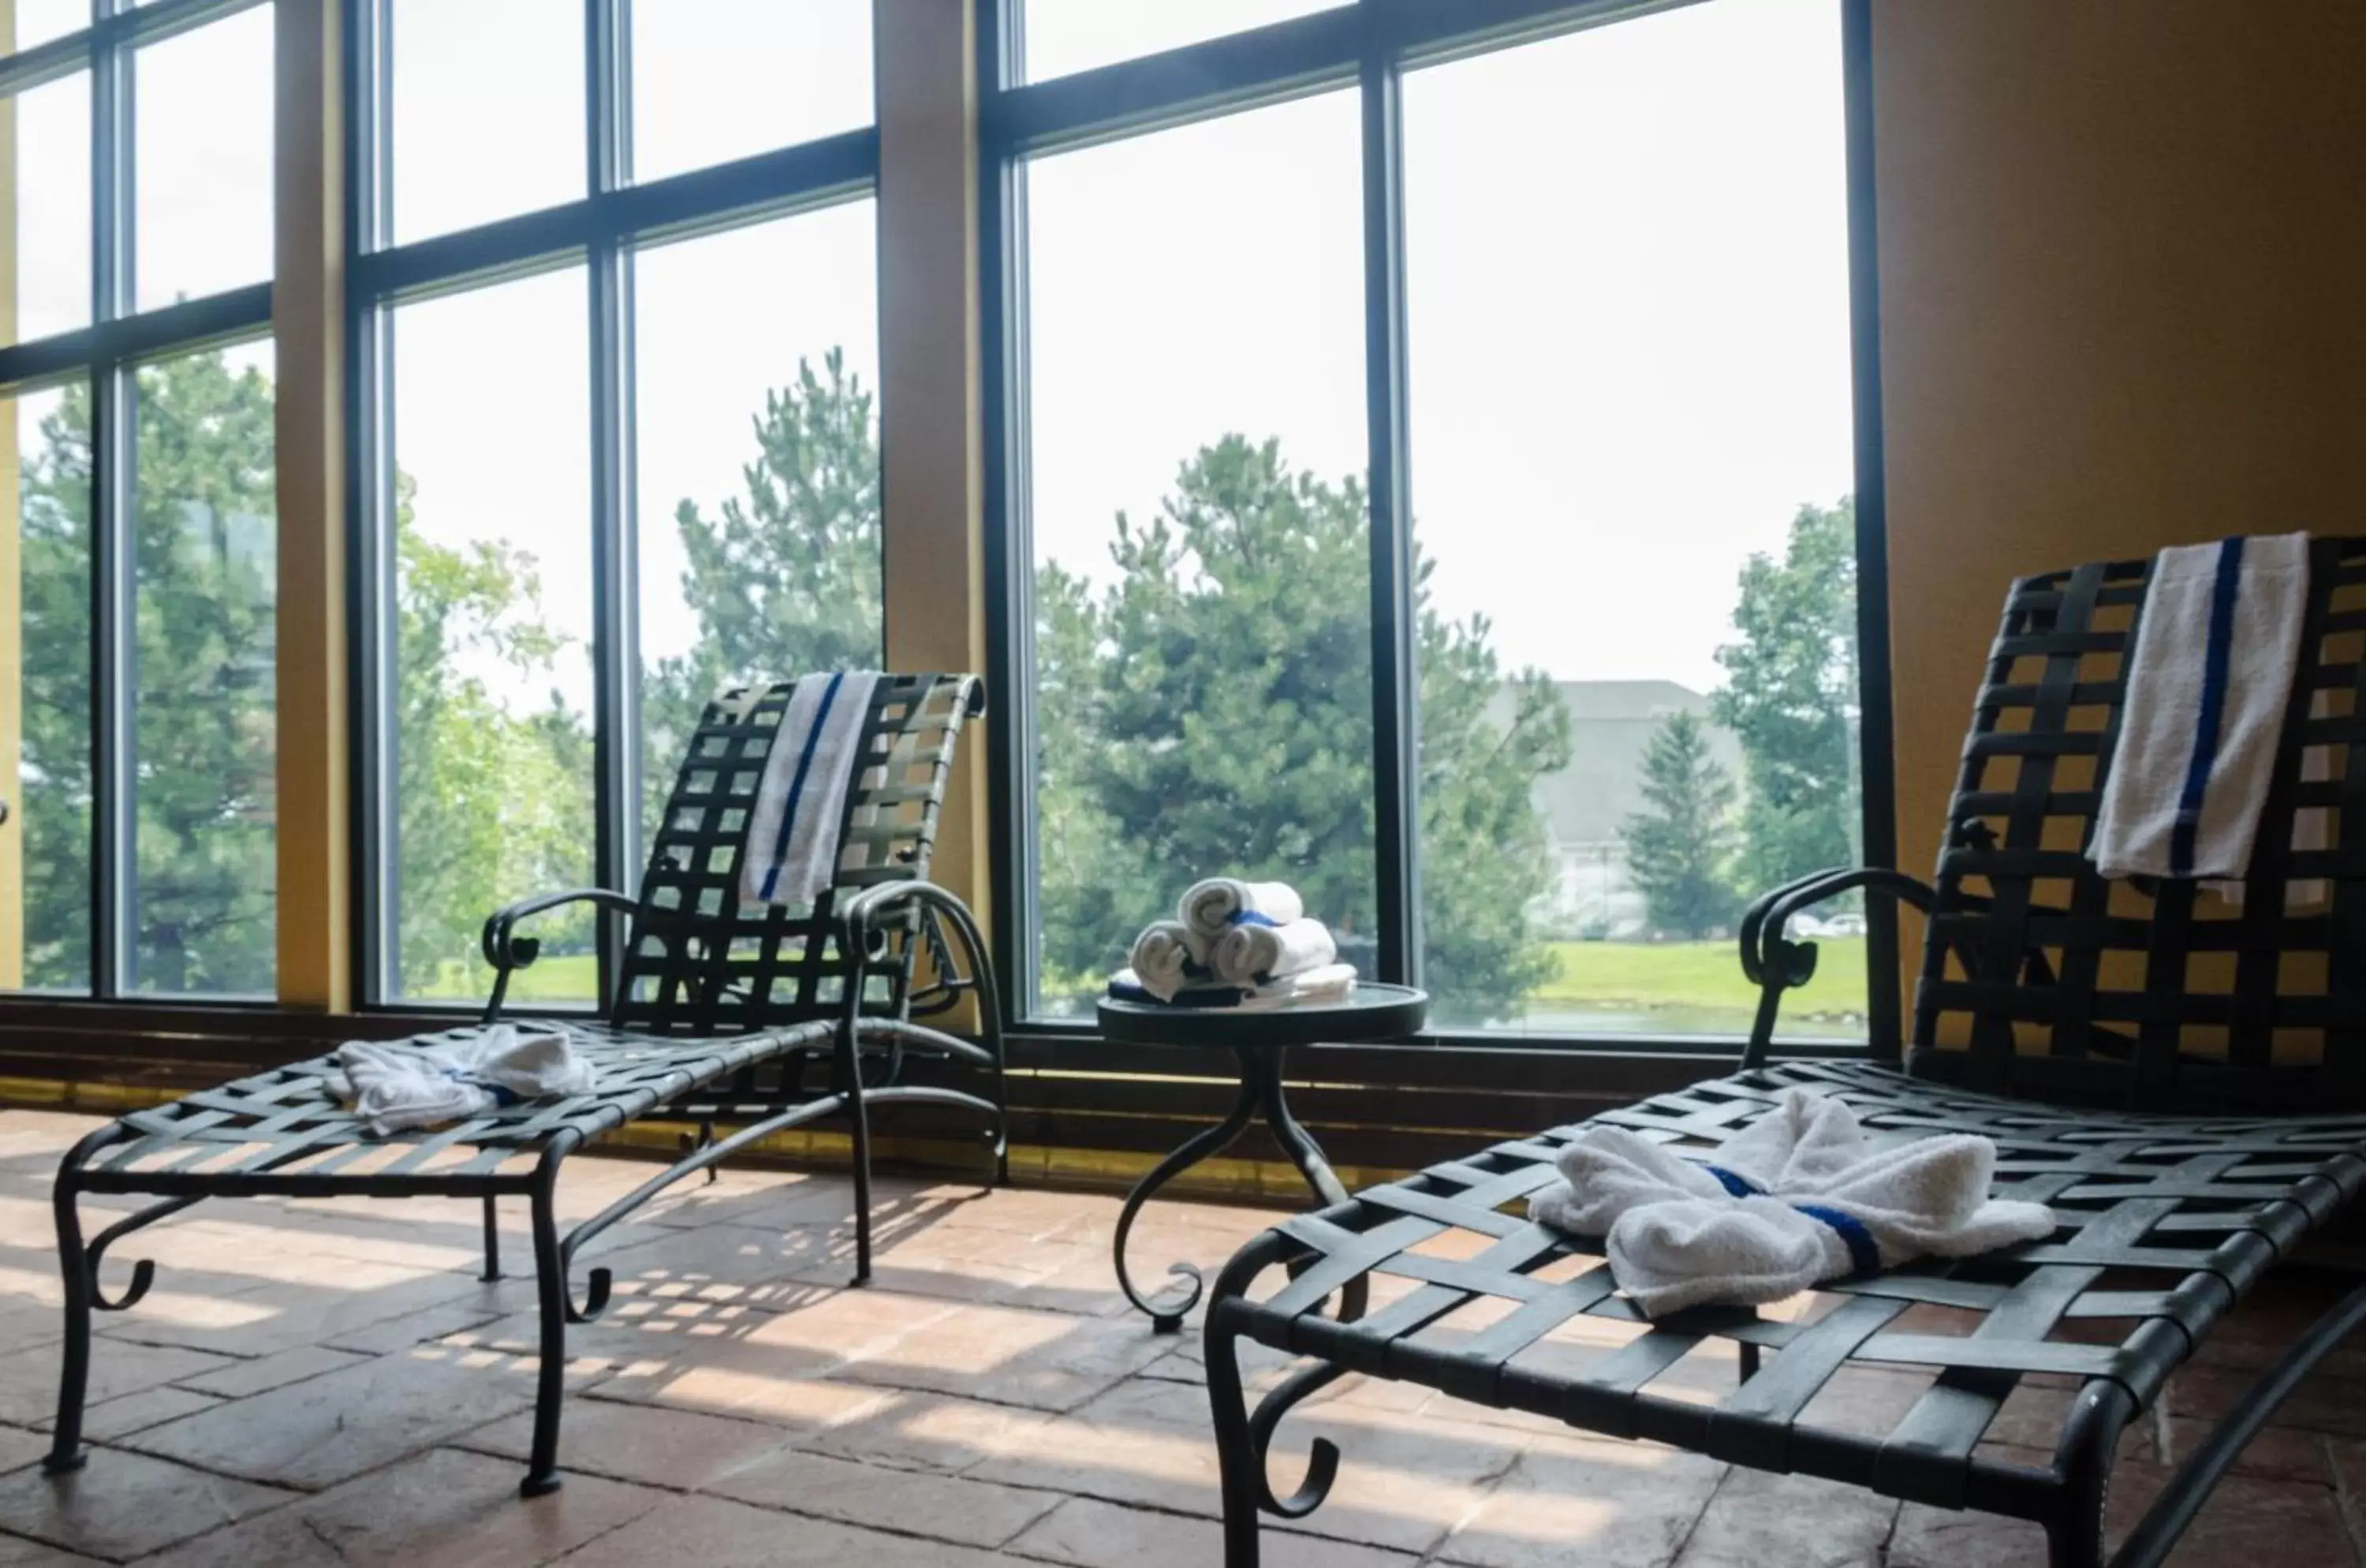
(1876, 780)
(370, 503)
(113, 666)
(1395, 712)
(616, 803)
(112, 619)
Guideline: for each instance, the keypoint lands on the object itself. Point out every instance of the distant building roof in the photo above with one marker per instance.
(1611, 723)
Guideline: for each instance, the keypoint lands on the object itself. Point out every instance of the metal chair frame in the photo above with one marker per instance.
(2182, 1077)
(720, 1014)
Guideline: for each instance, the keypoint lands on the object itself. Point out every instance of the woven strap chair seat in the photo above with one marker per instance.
(2181, 1074)
(2169, 1219)
(719, 1010)
(285, 1123)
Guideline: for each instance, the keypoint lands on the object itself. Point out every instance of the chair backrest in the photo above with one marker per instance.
(697, 961)
(2041, 978)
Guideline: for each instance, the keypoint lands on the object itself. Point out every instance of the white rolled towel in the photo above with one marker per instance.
(1248, 955)
(1213, 907)
(1168, 956)
(1328, 983)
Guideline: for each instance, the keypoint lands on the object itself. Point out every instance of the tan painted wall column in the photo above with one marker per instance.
(316, 943)
(929, 380)
(2120, 247)
(12, 599)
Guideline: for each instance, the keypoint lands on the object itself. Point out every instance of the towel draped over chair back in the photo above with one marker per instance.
(2040, 978)
(698, 960)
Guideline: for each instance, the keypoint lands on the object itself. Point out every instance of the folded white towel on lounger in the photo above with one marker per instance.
(1166, 956)
(398, 1085)
(1213, 907)
(2209, 682)
(1251, 954)
(1802, 1196)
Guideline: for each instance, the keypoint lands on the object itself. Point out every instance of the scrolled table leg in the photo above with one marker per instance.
(1308, 1157)
(1166, 1311)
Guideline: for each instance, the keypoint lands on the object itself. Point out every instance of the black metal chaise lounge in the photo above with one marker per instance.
(764, 1018)
(2180, 1076)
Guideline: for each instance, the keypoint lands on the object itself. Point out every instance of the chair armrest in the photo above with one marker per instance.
(859, 919)
(1770, 958)
(505, 951)
(1775, 963)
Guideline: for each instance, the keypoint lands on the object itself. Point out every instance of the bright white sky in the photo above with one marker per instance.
(1627, 295)
(1627, 285)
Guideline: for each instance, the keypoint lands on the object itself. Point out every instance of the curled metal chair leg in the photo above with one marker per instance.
(1321, 1463)
(74, 1270)
(143, 1273)
(1243, 1438)
(78, 1273)
(2074, 1537)
(558, 1309)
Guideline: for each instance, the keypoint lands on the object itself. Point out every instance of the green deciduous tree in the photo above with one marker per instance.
(491, 804)
(1791, 699)
(201, 773)
(1680, 847)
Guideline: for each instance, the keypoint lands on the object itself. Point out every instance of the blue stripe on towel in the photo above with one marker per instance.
(797, 784)
(503, 1097)
(2217, 653)
(1251, 918)
(1735, 1182)
(1865, 1253)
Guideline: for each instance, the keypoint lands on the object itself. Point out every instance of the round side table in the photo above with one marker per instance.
(1259, 1042)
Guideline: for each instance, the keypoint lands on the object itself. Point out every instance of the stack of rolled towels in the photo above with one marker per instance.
(1237, 944)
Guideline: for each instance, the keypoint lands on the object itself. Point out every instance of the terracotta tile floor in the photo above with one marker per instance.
(330, 1384)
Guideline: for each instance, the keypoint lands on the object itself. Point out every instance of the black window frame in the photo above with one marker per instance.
(106, 354)
(1369, 44)
(599, 231)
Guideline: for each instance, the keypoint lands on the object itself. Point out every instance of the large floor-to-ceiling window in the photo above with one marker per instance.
(137, 498)
(1429, 455)
(1427, 459)
(617, 430)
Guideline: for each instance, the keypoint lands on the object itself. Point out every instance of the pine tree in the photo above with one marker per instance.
(1680, 847)
(785, 580)
(1209, 710)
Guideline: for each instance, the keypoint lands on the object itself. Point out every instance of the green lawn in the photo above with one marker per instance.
(560, 977)
(1699, 982)
(1648, 976)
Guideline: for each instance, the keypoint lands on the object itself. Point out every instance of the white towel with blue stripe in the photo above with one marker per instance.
(1802, 1196)
(398, 1085)
(792, 834)
(1253, 952)
(1214, 905)
(2209, 683)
